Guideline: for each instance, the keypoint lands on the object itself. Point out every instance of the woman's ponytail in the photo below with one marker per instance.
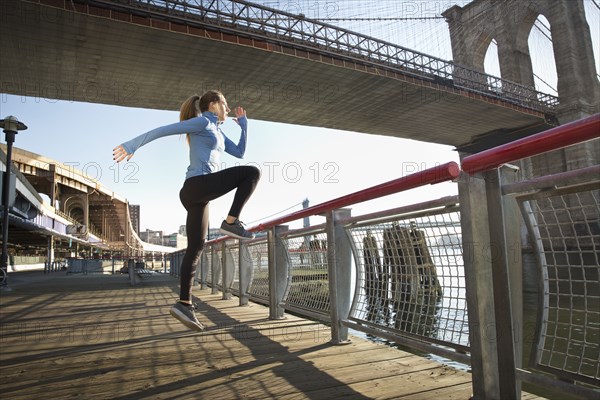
(190, 109)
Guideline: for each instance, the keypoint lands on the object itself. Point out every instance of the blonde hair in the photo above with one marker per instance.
(189, 109)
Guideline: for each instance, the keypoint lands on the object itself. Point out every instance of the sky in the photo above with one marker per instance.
(297, 162)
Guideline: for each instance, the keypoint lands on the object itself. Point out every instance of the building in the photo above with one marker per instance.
(176, 240)
(152, 237)
(134, 213)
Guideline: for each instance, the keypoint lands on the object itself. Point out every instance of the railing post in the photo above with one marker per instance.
(216, 269)
(505, 241)
(479, 286)
(174, 262)
(175, 268)
(339, 267)
(245, 273)
(228, 270)
(197, 271)
(131, 270)
(278, 270)
(203, 271)
(493, 267)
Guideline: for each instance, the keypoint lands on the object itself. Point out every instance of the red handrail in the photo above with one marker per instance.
(430, 176)
(551, 139)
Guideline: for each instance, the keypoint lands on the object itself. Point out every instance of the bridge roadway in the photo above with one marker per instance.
(97, 337)
(114, 53)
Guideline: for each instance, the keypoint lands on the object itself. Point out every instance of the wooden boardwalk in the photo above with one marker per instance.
(96, 337)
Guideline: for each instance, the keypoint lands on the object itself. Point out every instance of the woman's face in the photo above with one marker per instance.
(220, 108)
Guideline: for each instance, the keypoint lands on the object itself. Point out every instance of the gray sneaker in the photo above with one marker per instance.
(185, 314)
(236, 230)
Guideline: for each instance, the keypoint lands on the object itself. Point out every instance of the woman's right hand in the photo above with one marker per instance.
(120, 154)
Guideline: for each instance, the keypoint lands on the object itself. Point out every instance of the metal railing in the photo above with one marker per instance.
(562, 217)
(415, 295)
(445, 276)
(274, 26)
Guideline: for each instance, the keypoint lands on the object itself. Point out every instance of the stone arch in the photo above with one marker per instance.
(76, 212)
(544, 70)
(510, 22)
(480, 49)
(471, 31)
(77, 207)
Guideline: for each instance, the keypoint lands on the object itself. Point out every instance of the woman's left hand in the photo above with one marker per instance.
(239, 113)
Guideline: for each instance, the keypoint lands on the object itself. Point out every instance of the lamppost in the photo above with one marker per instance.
(11, 126)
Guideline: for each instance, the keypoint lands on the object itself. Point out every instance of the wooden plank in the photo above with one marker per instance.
(98, 337)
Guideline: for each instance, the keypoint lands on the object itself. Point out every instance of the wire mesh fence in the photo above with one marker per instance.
(213, 268)
(307, 266)
(231, 256)
(410, 276)
(565, 226)
(259, 279)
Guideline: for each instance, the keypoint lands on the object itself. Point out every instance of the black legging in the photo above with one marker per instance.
(195, 195)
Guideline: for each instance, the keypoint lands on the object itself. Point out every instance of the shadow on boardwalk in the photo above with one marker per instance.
(96, 337)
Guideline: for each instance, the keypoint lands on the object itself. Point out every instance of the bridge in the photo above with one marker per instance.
(295, 70)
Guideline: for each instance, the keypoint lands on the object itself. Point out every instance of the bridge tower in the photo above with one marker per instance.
(509, 22)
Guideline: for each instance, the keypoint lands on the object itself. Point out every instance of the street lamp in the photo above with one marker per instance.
(11, 126)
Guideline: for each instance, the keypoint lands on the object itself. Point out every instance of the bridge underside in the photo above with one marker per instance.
(57, 53)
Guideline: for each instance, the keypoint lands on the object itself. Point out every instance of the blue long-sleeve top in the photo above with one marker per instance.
(207, 142)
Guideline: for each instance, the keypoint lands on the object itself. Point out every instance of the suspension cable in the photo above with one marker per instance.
(546, 83)
(379, 19)
(272, 215)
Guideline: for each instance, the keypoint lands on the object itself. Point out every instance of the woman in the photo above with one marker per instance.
(200, 118)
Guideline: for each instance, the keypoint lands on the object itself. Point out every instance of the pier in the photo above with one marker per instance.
(95, 336)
